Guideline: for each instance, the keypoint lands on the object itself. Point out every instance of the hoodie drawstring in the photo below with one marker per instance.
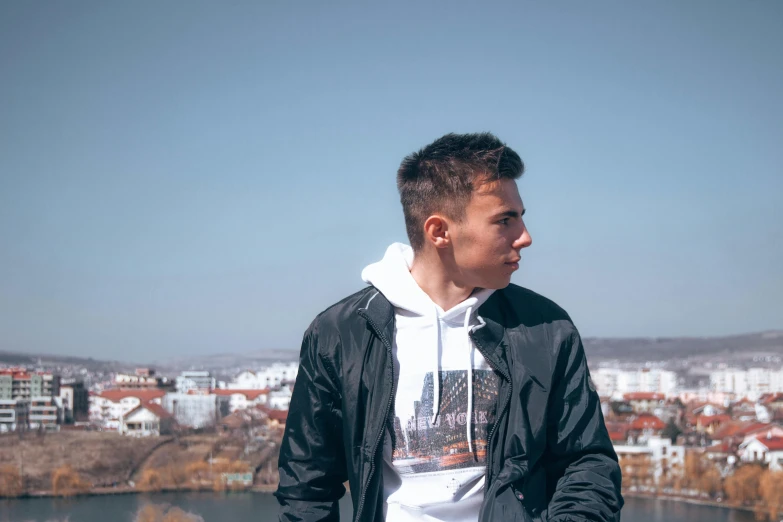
(469, 420)
(436, 371)
(436, 375)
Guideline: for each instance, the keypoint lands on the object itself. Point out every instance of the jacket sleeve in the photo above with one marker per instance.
(312, 463)
(582, 466)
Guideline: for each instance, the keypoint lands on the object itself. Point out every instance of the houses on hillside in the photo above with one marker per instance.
(145, 408)
(145, 420)
(653, 434)
(30, 400)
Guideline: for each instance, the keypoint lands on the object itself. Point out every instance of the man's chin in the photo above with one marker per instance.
(497, 284)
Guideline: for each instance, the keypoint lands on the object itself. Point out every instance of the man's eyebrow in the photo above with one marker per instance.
(511, 213)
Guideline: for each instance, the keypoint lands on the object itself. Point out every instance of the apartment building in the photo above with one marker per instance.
(195, 380)
(752, 383)
(614, 381)
(28, 399)
(142, 379)
(13, 414)
(75, 401)
(43, 413)
(269, 377)
(654, 462)
(18, 383)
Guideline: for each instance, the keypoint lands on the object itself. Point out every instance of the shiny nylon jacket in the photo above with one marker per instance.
(549, 456)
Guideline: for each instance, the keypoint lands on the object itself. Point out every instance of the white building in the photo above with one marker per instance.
(269, 377)
(143, 378)
(243, 399)
(751, 383)
(145, 421)
(12, 414)
(108, 407)
(665, 459)
(195, 410)
(195, 380)
(280, 399)
(768, 450)
(39, 412)
(729, 381)
(614, 381)
(43, 413)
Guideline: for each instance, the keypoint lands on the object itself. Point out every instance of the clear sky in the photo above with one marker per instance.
(201, 177)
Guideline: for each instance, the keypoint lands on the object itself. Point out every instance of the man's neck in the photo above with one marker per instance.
(434, 279)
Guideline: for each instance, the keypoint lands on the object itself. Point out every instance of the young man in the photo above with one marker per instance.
(441, 392)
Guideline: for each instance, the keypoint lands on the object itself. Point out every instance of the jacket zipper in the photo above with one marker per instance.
(506, 400)
(388, 346)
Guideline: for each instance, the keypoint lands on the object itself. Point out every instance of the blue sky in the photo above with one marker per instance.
(201, 177)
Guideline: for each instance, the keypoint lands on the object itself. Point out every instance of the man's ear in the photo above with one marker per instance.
(436, 231)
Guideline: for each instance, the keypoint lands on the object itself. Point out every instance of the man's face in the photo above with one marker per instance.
(487, 242)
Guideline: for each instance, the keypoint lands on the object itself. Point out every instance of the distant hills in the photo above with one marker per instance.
(225, 361)
(739, 349)
(735, 348)
(220, 364)
(57, 361)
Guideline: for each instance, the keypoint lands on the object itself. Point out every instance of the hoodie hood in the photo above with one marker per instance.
(414, 310)
(392, 276)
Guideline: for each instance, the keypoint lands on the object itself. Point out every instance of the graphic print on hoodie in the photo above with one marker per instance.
(435, 469)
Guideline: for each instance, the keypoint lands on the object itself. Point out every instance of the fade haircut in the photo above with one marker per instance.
(441, 177)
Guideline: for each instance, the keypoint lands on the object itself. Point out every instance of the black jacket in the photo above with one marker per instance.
(549, 456)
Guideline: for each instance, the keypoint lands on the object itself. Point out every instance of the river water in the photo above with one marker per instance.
(262, 507)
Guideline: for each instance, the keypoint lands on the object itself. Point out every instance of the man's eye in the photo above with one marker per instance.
(504, 221)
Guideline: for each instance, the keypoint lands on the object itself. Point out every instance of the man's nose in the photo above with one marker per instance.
(524, 240)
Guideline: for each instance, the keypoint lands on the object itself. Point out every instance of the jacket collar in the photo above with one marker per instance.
(490, 337)
(379, 312)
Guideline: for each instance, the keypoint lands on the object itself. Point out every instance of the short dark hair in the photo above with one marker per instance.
(441, 177)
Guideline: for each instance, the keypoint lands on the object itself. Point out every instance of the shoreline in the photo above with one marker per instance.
(687, 500)
(128, 490)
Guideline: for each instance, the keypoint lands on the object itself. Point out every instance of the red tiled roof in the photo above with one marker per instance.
(21, 373)
(756, 427)
(142, 395)
(694, 406)
(644, 396)
(158, 410)
(618, 431)
(743, 429)
(137, 408)
(717, 448)
(278, 415)
(721, 418)
(772, 443)
(729, 429)
(773, 397)
(647, 422)
(618, 436)
(250, 394)
(155, 409)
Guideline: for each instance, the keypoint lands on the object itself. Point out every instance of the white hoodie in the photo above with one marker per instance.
(436, 470)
